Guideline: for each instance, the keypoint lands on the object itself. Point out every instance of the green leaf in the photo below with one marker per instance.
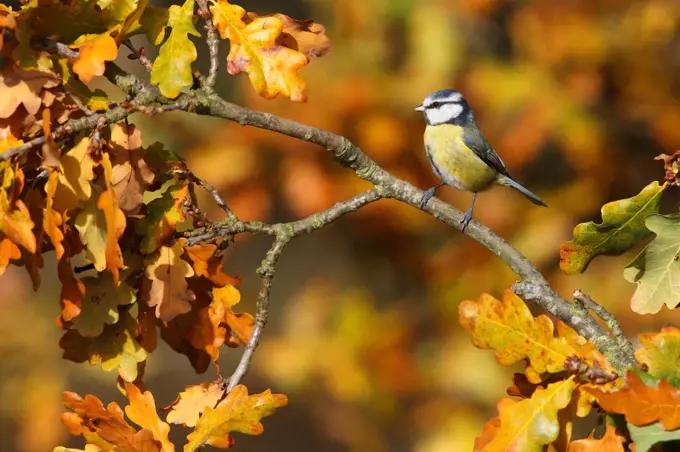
(646, 437)
(172, 68)
(117, 347)
(660, 352)
(100, 304)
(656, 270)
(623, 225)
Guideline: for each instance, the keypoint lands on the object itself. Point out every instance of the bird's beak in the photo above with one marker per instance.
(420, 108)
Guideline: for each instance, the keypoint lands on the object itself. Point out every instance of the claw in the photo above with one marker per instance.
(426, 197)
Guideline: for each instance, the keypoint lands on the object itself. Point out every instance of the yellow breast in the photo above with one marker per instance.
(454, 162)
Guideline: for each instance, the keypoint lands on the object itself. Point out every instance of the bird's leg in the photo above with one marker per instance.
(428, 194)
(468, 215)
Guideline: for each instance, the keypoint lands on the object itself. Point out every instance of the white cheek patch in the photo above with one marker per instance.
(444, 113)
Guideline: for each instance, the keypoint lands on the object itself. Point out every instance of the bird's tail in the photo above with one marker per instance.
(508, 182)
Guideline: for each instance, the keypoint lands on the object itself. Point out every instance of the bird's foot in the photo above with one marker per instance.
(466, 220)
(427, 195)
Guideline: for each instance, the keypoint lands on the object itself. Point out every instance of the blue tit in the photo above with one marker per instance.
(460, 155)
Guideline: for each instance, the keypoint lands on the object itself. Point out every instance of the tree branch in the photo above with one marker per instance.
(266, 271)
(534, 288)
(608, 318)
(213, 43)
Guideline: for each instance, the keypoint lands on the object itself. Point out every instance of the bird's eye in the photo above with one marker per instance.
(435, 104)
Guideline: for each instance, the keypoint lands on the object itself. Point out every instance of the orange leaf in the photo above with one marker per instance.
(508, 328)
(529, 424)
(51, 152)
(642, 404)
(16, 224)
(115, 222)
(193, 401)
(142, 411)
(304, 36)
(241, 324)
(52, 220)
(169, 291)
(130, 175)
(272, 67)
(95, 51)
(238, 412)
(97, 424)
(73, 289)
(208, 265)
(610, 442)
(8, 251)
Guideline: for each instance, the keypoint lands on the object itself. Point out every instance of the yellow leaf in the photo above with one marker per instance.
(76, 173)
(91, 225)
(95, 51)
(115, 222)
(272, 67)
(142, 411)
(52, 220)
(169, 291)
(117, 348)
(238, 412)
(241, 324)
(172, 67)
(193, 401)
(508, 328)
(530, 424)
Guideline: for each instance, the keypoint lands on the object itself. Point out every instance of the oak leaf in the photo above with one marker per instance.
(169, 291)
(75, 174)
(16, 224)
(272, 67)
(22, 87)
(207, 264)
(164, 212)
(53, 220)
(646, 437)
(116, 348)
(72, 289)
(610, 442)
(103, 426)
(623, 225)
(642, 404)
(142, 411)
(238, 412)
(115, 222)
(172, 67)
(656, 270)
(660, 352)
(8, 251)
(91, 225)
(94, 52)
(305, 36)
(50, 150)
(193, 401)
(508, 328)
(242, 324)
(530, 424)
(130, 174)
(100, 304)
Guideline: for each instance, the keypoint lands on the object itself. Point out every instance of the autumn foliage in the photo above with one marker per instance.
(138, 260)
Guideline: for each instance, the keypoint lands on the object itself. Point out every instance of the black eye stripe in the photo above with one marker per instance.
(438, 103)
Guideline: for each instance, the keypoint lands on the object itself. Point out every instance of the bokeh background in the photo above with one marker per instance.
(577, 96)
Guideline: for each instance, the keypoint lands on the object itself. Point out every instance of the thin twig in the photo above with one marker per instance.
(608, 318)
(56, 48)
(212, 191)
(213, 43)
(139, 55)
(266, 271)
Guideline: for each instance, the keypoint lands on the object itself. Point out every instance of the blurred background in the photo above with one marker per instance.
(577, 96)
